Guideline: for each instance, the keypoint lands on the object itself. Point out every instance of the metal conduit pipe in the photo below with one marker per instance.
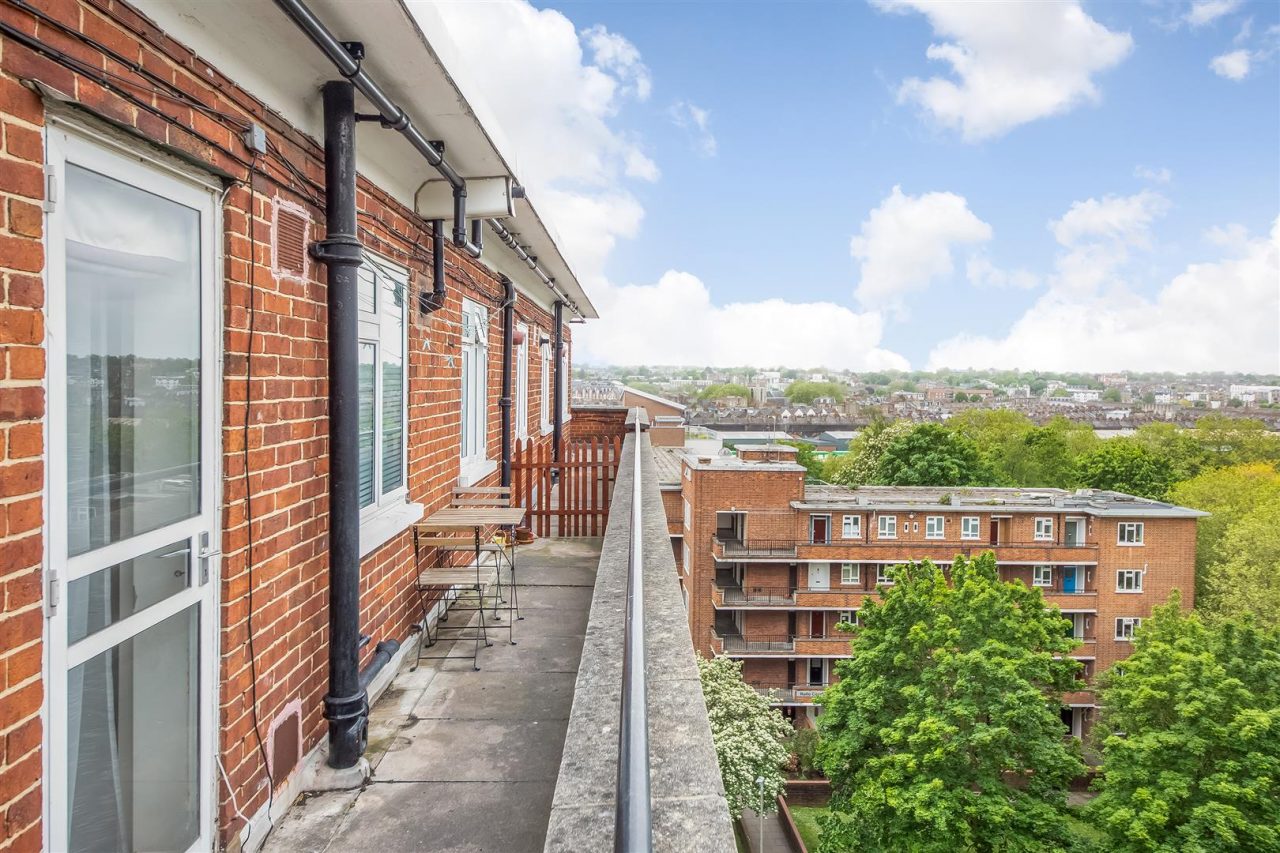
(434, 301)
(508, 239)
(504, 401)
(345, 705)
(558, 422)
(392, 116)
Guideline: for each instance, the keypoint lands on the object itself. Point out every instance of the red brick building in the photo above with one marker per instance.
(165, 373)
(771, 564)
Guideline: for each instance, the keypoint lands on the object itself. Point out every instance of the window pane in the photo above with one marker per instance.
(133, 361)
(133, 729)
(393, 384)
(367, 288)
(105, 597)
(368, 367)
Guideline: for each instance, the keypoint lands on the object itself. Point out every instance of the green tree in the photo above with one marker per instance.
(1228, 495)
(943, 732)
(1111, 395)
(1232, 441)
(749, 736)
(715, 393)
(931, 455)
(1190, 732)
(806, 456)
(1246, 581)
(1186, 454)
(858, 466)
(805, 393)
(1124, 465)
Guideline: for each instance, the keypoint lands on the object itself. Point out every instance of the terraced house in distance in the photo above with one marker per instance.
(771, 564)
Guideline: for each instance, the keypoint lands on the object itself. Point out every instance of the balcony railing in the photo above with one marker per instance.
(834, 643)
(754, 596)
(854, 550)
(689, 810)
(788, 693)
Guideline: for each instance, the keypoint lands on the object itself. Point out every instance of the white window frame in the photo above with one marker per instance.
(370, 331)
(850, 616)
(1135, 527)
(475, 465)
(1042, 576)
(565, 417)
(544, 376)
(970, 521)
(935, 527)
(1044, 529)
(850, 574)
(1135, 574)
(688, 513)
(522, 383)
(882, 577)
(887, 527)
(1126, 627)
(851, 527)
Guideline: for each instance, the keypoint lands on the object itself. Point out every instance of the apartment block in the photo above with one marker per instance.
(771, 564)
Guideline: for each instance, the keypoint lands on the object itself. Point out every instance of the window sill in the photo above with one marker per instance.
(476, 471)
(386, 525)
(546, 429)
(1128, 592)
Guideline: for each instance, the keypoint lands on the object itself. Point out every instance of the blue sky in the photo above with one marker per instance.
(1157, 126)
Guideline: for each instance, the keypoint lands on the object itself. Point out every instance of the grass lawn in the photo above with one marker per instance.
(806, 818)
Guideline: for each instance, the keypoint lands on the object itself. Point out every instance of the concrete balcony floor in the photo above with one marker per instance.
(465, 760)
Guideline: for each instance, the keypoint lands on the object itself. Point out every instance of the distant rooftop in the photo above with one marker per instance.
(1096, 502)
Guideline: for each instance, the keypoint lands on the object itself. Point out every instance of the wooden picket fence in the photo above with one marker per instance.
(569, 497)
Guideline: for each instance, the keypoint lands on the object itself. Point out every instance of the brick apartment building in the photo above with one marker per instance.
(771, 564)
(169, 530)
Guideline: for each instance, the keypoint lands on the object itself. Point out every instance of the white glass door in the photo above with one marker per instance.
(133, 475)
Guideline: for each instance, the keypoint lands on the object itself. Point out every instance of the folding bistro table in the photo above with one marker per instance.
(474, 510)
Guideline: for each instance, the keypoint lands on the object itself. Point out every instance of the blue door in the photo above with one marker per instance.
(1069, 579)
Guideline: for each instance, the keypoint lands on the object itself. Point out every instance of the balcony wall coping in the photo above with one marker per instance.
(690, 812)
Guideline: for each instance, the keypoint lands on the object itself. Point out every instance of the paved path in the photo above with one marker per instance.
(776, 839)
(464, 760)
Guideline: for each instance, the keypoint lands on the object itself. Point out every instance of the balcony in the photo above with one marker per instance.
(742, 598)
(780, 645)
(855, 550)
(783, 693)
(524, 754)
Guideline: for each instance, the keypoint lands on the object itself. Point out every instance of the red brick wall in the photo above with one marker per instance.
(590, 422)
(285, 362)
(22, 401)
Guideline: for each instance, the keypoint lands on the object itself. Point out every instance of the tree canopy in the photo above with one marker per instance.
(943, 732)
(806, 392)
(931, 455)
(723, 391)
(1190, 729)
(748, 735)
(858, 466)
(1125, 465)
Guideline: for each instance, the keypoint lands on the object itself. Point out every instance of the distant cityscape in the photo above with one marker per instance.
(810, 402)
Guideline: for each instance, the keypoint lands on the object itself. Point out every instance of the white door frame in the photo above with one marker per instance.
(824, 574)
(130, 161)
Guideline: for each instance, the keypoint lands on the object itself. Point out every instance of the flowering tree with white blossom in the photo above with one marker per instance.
(748, 735)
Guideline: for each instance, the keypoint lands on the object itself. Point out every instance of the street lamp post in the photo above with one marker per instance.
(760, 782)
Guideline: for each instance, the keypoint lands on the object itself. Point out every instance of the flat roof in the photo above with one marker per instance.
(667, 461)
(1094, 502)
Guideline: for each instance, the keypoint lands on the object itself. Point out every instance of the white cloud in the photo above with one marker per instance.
(906, 244)
(1233, 65)
(1013, 62)
(1223, 314)
(984, 274)
(1118, 218)
(676, 322)
(697, 121)
(1207, 11)
(615, 54)
(1159, 175)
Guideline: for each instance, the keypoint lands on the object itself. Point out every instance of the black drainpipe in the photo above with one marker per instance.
(504, 402)
(434, 301)
(558, 421)
(344, 705)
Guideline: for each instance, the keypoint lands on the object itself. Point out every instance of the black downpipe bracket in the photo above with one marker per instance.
(434, 301)
(558, 420)
(504, 402)
(345, 705)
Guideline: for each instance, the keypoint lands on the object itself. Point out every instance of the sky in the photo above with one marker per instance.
(901, 183)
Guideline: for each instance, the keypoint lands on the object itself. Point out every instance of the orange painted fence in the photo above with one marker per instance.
(569, 497)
